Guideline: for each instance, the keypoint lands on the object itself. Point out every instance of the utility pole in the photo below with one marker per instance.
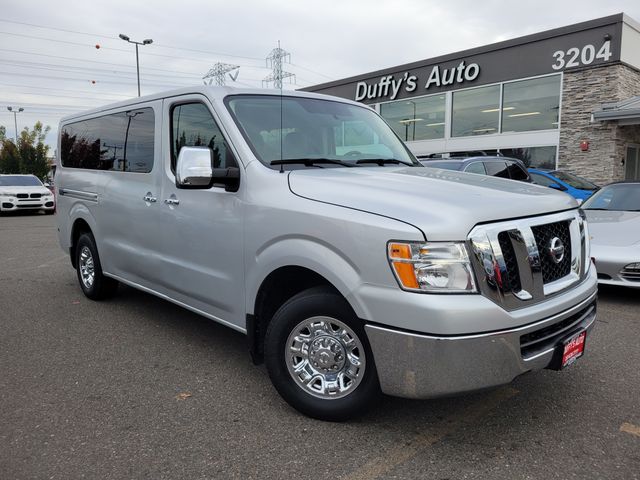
(218, 74)
(15, 119)
(147, 41)
(275, 59)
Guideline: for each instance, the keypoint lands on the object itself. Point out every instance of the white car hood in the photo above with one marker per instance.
(32, 189)
(444, 204)
(613, 228)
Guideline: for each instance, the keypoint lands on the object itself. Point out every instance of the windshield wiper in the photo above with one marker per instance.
(310, 162)
(382, 161)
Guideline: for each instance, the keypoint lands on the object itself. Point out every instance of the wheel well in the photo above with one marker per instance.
(276, 289)
(79, 227)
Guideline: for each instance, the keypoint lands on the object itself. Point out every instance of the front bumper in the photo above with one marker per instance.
(611, 261)
(16, 205)
(415, 365)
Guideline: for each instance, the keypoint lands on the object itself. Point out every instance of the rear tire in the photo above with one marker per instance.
(92, 281)
(318, 356)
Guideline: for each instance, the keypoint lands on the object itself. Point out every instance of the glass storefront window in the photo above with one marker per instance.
(531, 104)
(537, 157)
(476, 111)
(416, 119)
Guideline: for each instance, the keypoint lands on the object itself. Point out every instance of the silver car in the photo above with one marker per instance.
(614, 223)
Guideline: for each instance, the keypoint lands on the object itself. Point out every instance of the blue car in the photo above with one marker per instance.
(574, 185)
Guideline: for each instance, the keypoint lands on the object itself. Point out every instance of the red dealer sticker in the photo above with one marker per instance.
(573, 349)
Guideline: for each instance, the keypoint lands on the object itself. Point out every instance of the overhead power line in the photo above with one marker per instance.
(220, 54)
(170, 85)
(93, 61)
(91, 72)
(63, 90)
(112, 37)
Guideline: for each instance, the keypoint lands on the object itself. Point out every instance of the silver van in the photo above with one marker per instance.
(304, 222)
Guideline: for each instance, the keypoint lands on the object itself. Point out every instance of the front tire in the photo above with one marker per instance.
(318, 356)
(92, 281)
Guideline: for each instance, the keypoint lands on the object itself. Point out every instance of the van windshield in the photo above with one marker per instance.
(286, 129)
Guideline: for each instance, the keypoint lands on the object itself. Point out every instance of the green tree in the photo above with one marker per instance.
(33, 151)
(29, 156)
(9, 157)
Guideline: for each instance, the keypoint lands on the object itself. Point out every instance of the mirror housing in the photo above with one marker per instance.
(194, 169)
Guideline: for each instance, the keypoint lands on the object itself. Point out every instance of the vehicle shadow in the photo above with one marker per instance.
(222, 348)
(619, 294)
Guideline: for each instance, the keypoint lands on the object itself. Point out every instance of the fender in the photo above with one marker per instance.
(301, 251)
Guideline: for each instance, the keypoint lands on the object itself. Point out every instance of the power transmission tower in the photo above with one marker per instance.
(218, 73)
(274, 61)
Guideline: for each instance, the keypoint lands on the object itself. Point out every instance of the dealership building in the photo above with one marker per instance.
(565, 98)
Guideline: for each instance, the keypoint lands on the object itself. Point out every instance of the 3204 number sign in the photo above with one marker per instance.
(576, 57)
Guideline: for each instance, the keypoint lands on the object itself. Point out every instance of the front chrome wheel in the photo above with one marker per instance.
(87, 267)
(325, 357)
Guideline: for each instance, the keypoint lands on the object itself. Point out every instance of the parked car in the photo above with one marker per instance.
(614, 224)
(24, 193)
(578, 187)
(304, 222)
(503, 167)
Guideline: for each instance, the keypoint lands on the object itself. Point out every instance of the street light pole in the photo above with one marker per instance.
(147, 41)
(15, 119)
(138, 69)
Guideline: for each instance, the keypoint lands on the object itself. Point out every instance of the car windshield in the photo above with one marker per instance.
(323, 133)
(619, 197)
(19, 181)
(574, 180)
(448, 165)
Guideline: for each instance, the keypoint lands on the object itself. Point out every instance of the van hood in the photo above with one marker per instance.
(444, 204)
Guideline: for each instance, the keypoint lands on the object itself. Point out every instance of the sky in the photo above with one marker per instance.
(50, 66)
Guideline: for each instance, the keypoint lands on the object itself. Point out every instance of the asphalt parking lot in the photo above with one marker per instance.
(136, 387)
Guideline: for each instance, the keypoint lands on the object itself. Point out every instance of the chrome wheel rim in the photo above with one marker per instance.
(325, 357)
(87, 268)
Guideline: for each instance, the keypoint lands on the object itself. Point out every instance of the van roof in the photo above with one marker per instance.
(217, 93)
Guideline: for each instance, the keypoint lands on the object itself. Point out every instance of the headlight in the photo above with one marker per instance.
(6, 194)
(436, 267)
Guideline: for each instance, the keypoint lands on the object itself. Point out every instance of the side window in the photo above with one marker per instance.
(193, 126)
(516, 172)
(121, 141)
(476, 167)
(497, 169)
(139, 140)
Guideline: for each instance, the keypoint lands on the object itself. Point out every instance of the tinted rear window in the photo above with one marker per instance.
(445, 165)
(497, 169)
(516, 172)
(121, 142)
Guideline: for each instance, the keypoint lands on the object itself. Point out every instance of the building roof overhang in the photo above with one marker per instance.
(625, 112)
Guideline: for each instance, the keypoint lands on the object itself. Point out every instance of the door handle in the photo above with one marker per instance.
(149, 198)
(172, 201)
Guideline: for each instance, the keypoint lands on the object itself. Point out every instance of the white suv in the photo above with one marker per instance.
(24, 192)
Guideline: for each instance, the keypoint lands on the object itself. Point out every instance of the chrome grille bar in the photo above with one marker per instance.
(490, 266)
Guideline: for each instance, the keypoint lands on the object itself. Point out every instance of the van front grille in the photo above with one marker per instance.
(544, 234)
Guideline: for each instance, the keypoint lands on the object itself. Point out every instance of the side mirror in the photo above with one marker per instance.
(557, 186)
(194, 169)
